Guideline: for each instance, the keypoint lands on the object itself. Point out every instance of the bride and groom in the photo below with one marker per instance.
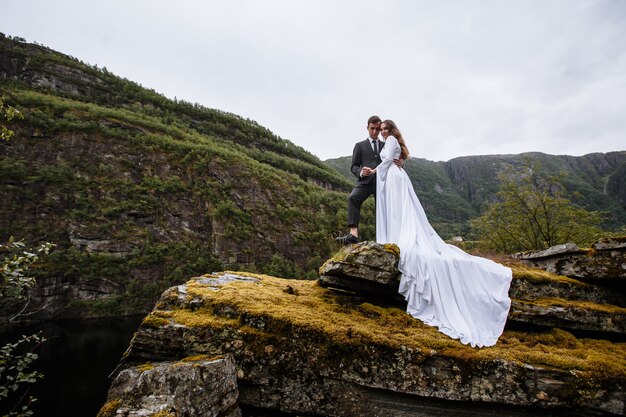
(464, 296)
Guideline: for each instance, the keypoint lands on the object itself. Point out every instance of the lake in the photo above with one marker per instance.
(76, 361)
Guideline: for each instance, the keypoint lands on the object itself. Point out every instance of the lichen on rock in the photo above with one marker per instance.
(299, 347)
(199, 386)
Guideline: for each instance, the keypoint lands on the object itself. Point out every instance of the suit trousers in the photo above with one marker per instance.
(359, 194)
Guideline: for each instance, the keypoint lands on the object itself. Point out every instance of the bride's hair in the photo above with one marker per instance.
(404, 151)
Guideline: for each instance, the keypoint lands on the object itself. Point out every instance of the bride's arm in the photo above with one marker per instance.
(392, 150)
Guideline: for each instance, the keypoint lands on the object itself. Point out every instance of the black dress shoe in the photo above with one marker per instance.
(347, 239)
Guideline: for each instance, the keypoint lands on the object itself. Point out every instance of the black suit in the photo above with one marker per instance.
(362, 156)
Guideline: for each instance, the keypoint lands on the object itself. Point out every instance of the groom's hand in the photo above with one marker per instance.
(366, 172)
(399, 163)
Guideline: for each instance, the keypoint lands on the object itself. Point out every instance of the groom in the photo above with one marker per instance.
(365, 157)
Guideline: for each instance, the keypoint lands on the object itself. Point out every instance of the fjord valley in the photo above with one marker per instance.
(147, 198)
(140, 192)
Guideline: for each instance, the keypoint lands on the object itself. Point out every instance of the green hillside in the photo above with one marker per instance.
(457, 190)
(140, 192)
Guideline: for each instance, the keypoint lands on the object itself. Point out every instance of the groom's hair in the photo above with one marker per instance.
(373, 119)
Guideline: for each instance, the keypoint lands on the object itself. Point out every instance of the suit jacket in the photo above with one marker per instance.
(363, 156)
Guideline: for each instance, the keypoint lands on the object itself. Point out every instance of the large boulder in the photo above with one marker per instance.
(539, 299)
(368, 268)
(195, 386)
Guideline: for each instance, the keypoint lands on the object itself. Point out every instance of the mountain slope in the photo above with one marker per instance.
(139, 192)
(455, 191)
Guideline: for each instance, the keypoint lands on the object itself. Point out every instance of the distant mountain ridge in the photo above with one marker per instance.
(457, 190)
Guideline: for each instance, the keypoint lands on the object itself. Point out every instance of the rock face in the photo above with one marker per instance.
(301, 348)
(604, 262)
(193, 387)
(369, 268)
(139, 192)
(545, 300)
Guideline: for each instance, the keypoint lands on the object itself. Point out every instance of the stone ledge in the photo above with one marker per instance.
(299, 348)
(200, 386)
(556, 313)
(604, 264)
(366, 268)
(551, 251)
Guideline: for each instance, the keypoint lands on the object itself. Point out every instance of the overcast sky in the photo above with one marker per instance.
(464, 77)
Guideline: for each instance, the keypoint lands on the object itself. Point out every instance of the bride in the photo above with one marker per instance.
(465, 296)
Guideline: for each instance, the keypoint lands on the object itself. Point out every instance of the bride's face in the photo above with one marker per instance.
(384, 130)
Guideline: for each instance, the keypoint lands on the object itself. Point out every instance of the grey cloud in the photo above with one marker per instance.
(459, 77)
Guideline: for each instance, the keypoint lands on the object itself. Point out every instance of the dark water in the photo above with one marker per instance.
(76, 361)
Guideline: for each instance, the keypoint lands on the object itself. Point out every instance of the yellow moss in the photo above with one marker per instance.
(162, 313)
(203, 317)
(197, 358)
(584, 305)
(163, 413)
(521, 271)
(337, 256)
(342, 323)
(109, 409)
(392, 248)
(168, 297)
(153, 320)
(145, 367)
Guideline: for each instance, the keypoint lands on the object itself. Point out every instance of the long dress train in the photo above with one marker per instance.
(465, 296)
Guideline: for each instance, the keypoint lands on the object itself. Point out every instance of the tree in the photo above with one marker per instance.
(16, 358)
(14, 283)
(533, 213)
(9, 113)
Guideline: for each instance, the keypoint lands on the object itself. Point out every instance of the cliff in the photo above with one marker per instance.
(140, 192)
(303, 348)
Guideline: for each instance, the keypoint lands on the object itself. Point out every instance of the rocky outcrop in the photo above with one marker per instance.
(368, 268)
(570, 316)
(197, 386)
(304, 349)
(604, 263)
(538, 298)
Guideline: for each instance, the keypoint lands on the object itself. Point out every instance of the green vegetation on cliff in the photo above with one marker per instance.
(532, 213)
(455, 191)
(140, 192)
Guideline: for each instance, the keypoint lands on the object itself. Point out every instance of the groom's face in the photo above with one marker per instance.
(373, 129)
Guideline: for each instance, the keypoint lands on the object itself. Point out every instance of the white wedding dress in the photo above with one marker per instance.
(465, 296)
